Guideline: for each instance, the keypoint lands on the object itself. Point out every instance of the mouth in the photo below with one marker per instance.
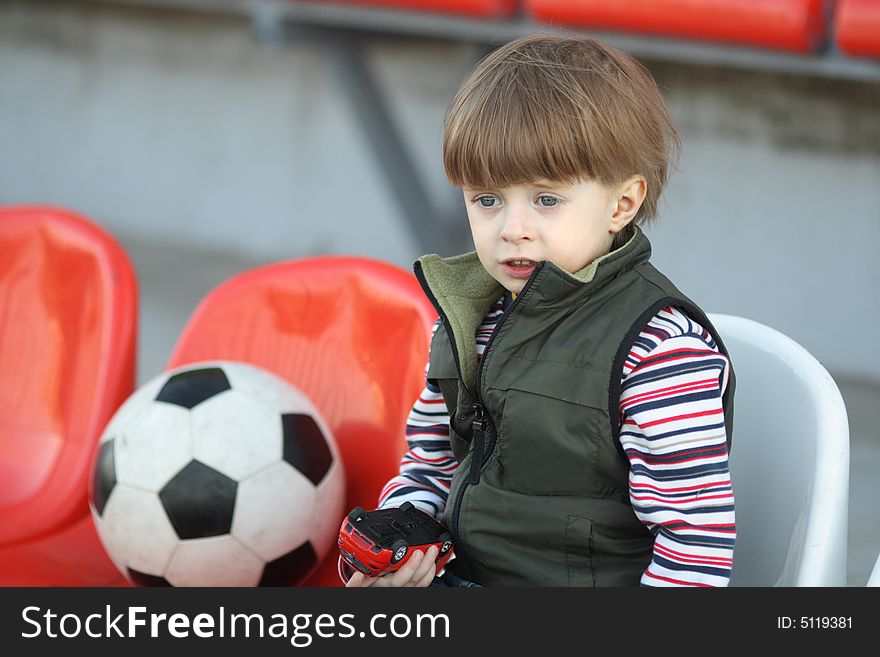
(518, 267)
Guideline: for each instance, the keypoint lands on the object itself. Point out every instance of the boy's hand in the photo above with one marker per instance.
(418, 570)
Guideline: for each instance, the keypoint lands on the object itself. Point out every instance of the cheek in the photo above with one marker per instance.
(579, 251)
(485, 251)
(482, 233)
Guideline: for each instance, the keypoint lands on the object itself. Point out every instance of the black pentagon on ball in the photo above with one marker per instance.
(305, 446)
(199, 501)
(104, 476)
(142, 579)
(290, 569)
(190, 388)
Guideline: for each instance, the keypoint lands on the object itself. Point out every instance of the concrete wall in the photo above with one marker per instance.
(177, 127)
(775, 214)
(180, 128)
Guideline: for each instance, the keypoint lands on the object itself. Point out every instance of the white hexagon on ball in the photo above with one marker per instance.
(154, 444)
(238, 443)
(218, 561)
(280, 493)
(131, 513)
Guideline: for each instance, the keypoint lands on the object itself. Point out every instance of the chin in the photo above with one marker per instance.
(515, 288)
(510, 284)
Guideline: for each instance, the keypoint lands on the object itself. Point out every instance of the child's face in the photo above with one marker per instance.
(570, 224)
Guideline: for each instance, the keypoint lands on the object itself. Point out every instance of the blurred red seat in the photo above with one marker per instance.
(475, 8)
(792, 25)
(857, 27)
(68, 324)
(70, 556)
(352, 333)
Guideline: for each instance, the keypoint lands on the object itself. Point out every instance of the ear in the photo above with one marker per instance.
(628, 198)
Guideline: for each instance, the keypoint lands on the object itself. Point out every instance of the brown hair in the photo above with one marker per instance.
(559, 108)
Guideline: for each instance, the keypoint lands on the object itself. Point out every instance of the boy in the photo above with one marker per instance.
(584, 441)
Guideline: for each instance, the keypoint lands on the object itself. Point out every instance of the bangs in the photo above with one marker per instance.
(506, 134)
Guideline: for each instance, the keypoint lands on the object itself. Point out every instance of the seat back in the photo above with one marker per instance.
(68, 326)
(789, 461)
(874, 577)
(352, 333)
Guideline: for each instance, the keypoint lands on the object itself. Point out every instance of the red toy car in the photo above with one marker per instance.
(376, 542)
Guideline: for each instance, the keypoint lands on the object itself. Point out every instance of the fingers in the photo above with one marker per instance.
(417, 570)
(404, 575)
(428, 568)
(356, 580)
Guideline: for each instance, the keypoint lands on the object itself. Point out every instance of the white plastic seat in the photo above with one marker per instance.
(874, 578)
(789, 461)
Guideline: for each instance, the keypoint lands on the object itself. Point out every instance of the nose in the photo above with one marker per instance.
(516, 225)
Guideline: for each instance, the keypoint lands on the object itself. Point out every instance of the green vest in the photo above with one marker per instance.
(540, 497)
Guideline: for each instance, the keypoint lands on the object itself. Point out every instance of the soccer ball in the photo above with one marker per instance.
(217, 474)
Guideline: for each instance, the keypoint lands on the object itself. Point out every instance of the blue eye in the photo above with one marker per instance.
(487, 201)
(548, 201)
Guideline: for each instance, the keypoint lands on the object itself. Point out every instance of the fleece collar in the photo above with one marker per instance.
(464, 291)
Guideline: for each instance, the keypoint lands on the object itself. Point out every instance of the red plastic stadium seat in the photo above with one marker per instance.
(857, 27)
(792, 25)
(352, 333)
(68, 324)
(476, 8)
(71, 556)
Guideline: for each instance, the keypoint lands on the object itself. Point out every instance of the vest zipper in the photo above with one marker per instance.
(477, 441)
(474, 476)
(479, 454)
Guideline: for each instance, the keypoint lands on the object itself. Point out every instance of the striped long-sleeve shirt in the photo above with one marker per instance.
(672, 432)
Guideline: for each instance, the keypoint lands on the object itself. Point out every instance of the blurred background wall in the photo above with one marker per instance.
(186, 135)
